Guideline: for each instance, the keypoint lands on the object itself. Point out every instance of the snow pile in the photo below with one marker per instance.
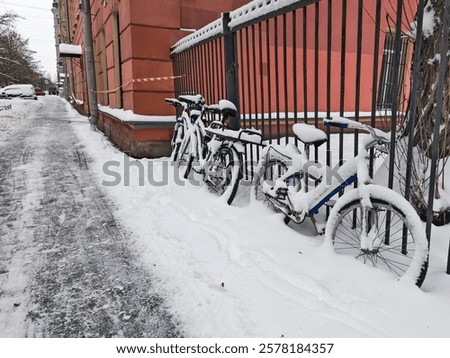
(255, 9)
(207, 32)
(21, 109)
(130, 116)
(70, 50)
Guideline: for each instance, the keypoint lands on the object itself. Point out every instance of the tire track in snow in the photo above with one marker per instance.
(81, 276)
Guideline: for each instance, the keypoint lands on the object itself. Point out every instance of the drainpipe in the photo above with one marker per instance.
(69, 39)
(90, 67)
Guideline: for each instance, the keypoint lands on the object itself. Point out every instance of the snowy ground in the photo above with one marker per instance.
(239, 271)
(66, 269)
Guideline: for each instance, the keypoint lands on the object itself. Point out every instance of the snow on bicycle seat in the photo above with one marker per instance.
(224, 107)
(196, 100)
(253, 136)
(309, 134)
(227, 108)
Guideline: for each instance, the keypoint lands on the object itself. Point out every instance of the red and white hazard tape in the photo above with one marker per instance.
(140, 80)
(150, 79)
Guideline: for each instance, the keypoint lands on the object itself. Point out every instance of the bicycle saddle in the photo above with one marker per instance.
(227, 108)
(194, 100)
(309, 134)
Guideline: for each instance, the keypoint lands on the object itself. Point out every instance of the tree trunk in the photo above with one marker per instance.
(425, 110)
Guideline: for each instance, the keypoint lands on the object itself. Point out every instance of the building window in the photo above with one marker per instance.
(386, 85)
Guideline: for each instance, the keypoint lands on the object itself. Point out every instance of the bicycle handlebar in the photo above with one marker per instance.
(174, 102)
(342, 122)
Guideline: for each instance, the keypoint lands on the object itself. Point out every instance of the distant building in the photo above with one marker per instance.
(132, 40)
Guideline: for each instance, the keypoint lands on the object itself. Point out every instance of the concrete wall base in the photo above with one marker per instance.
(136, 142)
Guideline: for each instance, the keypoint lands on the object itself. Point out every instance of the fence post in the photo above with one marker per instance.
(231, 79)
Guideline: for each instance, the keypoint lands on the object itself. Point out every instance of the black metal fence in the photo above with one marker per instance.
(287, 61)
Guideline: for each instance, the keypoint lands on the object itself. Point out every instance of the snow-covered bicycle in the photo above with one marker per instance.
(223, 167)
(192, 109)
(373, 223)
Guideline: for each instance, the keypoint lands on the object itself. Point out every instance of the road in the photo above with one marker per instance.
(67, 268)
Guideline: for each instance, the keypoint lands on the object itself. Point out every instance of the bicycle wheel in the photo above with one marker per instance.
(224, 172)
(385, 235)
(185, 157)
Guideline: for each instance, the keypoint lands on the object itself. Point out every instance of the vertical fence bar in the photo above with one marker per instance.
(194, 79)
(269, 89)
(294, 70)
(205, 81)
(231, 67)
(200, 70)
(190, 67)
(255, 91)
(342, 90)
(395, 91)
(316, 73)
(305, 66)
(277, 77)
(249, 89)
(358, 71)
(376, 49)
(186, 70)
(180, 69)
(285, 79)
(176, 73)
(186, 74)
(247, 68)
(261, 81)
(211, 73)
(197, 50)
(242, 74)
(254, 77)
(328, 99)
(218, 70)
(222, 66)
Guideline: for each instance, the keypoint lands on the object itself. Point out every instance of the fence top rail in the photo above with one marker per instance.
(259, 10)
(253, 12)
(208, 32)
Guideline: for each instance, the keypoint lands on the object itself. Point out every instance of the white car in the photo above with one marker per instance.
(23, 91)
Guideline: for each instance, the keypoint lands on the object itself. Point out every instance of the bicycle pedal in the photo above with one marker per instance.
(281, 193)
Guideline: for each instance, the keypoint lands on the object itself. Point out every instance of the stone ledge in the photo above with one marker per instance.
(137, 139)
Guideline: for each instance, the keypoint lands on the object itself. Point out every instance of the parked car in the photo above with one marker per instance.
(39, 91)
(23, 91)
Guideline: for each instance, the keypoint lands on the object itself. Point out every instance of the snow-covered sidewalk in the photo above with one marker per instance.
(66, 265)
(240, 272)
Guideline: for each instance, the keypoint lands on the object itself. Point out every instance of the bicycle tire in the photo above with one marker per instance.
(177, 138)
(185, 158)
(400, 247)
(224, 172)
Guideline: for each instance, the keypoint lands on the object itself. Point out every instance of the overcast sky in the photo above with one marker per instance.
(37, 26)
